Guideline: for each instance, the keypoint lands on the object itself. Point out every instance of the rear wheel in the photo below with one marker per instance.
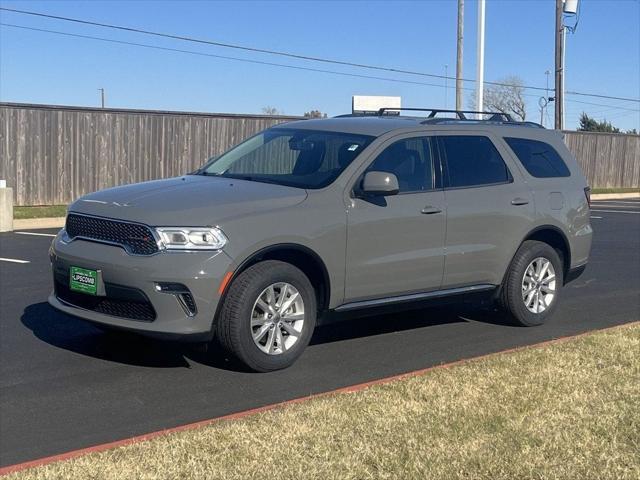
(532, 285)
(268, 316)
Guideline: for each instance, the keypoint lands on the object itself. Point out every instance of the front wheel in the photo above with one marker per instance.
(268, 316)
(532, 285)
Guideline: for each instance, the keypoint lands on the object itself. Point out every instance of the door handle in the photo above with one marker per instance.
(519, 201)
(429, 210)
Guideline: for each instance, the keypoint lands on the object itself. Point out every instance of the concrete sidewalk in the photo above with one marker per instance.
(614, 196)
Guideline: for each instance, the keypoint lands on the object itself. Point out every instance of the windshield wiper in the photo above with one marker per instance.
(249, 178)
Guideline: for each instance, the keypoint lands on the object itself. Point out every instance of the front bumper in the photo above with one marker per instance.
(136, 278)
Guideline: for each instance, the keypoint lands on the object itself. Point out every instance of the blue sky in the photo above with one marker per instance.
(603, 56)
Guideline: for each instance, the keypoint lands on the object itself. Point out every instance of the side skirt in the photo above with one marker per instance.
(414, 297)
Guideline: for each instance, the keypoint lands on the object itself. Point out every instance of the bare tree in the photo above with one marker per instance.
(315, 114)
(506, 98)
(269, 110)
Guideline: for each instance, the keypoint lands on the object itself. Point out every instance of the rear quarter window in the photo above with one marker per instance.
(540, 159)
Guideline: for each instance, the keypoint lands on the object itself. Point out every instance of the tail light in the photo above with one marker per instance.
(587, 193)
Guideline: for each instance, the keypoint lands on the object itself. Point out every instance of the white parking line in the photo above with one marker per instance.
(614, 211)
(13, 260)
(613, 201)
(37, 234)
(593, 216)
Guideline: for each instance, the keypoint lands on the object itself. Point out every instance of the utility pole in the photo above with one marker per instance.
(101, 90)
(459, 55)
(480, 59)
(559, 80)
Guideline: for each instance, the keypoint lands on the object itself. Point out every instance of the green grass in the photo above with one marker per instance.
(20, 213)
(568, 410)
(616, 190)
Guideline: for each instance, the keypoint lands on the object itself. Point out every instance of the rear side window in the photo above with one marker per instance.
(540, 159)
(472, 161)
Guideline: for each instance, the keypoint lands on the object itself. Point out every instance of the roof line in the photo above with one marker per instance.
(40, 106)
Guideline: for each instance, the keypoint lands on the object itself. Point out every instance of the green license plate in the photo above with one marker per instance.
(83, 280)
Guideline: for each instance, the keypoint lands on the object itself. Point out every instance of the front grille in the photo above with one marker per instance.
(120, 301)
(133, 237)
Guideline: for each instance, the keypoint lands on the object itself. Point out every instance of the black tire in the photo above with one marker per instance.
(233, 328)
(511, 299)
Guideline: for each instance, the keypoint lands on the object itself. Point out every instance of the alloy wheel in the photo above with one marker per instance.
(277, 318)
(539, 285)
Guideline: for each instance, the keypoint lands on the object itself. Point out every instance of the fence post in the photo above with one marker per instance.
(6, 207)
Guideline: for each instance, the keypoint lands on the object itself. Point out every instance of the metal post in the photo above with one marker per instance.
(547, 73)
(101, 90)
(459, 55)
(559, 97)
(480, 58)
(564, 56)
(446, 85)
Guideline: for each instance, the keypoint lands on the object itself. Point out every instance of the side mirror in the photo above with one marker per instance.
(380, 183)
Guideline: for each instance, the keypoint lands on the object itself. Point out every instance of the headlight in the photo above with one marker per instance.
(191, 238)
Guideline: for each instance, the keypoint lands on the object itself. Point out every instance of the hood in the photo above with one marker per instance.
(191, 200)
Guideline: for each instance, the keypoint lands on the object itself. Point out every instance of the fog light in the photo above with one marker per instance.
(181, 293)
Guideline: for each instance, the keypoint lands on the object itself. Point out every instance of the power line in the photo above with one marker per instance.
(604, 105)
(224, 57)
(260, 62)
(234, 46)
(608, 97)
(281, 53)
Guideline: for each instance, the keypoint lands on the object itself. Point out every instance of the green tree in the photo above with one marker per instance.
(588, 124)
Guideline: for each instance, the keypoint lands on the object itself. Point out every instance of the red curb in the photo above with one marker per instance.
(253, 411)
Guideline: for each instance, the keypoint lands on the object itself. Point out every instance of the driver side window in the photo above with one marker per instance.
(411, 161)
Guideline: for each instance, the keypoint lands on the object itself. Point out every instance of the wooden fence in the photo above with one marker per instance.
(52, 155)
(607, 159)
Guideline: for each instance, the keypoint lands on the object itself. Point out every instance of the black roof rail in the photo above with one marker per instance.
(495, 116)
(471, 121)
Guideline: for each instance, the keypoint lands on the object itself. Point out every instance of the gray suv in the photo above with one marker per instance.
(330, 215)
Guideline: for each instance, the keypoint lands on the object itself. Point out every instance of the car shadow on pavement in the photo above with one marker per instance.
(76, 335)
(342, 327)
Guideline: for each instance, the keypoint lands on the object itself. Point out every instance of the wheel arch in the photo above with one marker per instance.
(302, 257)
(552, 236)
(555, 238)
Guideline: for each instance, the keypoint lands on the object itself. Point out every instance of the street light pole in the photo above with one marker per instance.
(547, 73)
(480, 58)
(446, 85)
(101, 90)
(459, 55)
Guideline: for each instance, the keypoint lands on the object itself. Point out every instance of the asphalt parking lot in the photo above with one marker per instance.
(64, 384)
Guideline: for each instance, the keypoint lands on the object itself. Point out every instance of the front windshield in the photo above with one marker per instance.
(295, 157)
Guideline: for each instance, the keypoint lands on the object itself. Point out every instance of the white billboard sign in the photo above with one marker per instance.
(373, 103)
